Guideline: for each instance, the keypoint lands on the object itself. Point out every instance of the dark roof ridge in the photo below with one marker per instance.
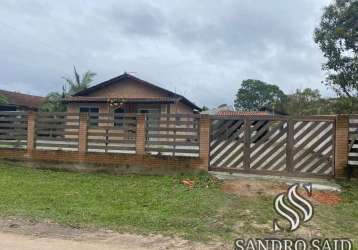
(129, 76)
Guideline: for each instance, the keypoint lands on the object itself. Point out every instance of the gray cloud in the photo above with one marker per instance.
(200, 49)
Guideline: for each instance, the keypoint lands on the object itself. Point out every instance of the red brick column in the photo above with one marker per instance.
(31, 132)
(140, 135)
(341, 147)
(204, 141)
(82, 134)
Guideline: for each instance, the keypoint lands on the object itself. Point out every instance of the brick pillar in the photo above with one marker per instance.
(204, 141)
(31, 132)
(82, 134)
(341, 145)
(140, 135)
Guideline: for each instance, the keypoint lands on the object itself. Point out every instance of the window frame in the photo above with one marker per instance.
(90, 112)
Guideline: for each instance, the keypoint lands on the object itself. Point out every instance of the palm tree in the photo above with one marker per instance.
(54, 100)
(54, 103)
(79, 83)
(3, 99)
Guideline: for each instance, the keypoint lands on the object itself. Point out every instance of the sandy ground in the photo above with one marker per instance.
(21, 234)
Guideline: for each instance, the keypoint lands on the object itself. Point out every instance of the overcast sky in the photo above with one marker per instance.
(201, 49)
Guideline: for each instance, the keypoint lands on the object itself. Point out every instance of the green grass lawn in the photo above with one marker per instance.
(156, 204)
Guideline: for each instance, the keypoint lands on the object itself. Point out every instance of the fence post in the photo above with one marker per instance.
(31, 132)
(341, 145)
(247, 142)
(82, 134)
(140, 135)
(290, 145)
(204, 141)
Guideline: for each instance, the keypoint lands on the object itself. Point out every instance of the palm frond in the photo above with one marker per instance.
(77, 76)
(87, 78)
(77, 84)
(69, 81)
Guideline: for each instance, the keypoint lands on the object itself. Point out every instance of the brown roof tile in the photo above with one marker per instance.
(241, 113)
(23, 100)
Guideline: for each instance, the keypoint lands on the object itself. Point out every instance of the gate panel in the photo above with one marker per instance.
(313, 151)
(227, 143)
(268, 140)
(273, 145)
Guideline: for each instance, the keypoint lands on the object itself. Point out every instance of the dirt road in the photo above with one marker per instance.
(19, 234)
(25, 242)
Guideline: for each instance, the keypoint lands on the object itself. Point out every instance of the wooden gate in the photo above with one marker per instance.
(273, 145)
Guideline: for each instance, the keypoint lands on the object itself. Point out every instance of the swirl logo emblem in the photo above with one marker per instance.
(293, 207)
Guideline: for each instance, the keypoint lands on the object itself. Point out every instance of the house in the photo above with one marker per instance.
(16, 101)
(129, 94)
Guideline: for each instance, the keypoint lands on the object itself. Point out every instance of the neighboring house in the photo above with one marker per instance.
(16, 101)
(129, 94)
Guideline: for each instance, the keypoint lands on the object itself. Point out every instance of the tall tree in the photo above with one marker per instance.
(79, 83)
(204, 108)
(255, 94)
(343, 105)
(337, 36)
(305, 102)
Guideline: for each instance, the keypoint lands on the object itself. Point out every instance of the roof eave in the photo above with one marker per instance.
(128, 76)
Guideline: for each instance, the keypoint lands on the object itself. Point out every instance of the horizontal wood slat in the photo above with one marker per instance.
(57, 130)
(172, 134)
(13, 129)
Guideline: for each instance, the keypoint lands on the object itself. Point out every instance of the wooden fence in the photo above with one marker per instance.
(174, 135)
(113, 133)
(302, 146)
(57, 131)
(13, 129)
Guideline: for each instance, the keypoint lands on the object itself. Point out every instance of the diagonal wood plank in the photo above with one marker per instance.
(265, 145)
(263, 139)
(267, 153)
(314, 155)
(312, 147)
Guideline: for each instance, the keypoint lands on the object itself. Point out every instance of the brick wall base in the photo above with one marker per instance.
(116, 163)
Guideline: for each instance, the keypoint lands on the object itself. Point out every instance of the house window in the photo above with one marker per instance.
(92, 114)
(149, 111)
(118, 119)
(151, 120)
